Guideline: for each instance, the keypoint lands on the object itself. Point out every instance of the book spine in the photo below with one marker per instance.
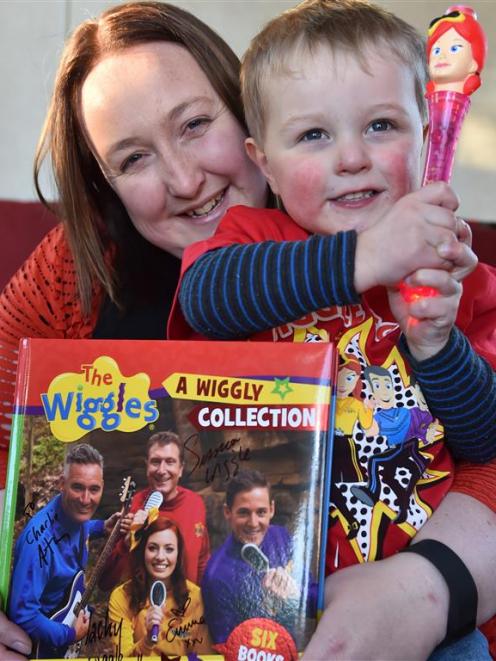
(332, 370)
(15, 450)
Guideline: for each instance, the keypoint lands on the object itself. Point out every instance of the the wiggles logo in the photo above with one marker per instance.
(99, 396)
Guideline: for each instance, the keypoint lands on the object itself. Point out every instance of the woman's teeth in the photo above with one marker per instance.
(206, 208)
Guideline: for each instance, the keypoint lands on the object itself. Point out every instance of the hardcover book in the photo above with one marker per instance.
(168, 499)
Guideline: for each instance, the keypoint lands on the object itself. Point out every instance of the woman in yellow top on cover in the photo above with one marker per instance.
(157, 555)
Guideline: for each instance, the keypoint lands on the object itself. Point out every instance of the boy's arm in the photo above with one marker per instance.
(460, 388)
(239, 290)
(255, 284)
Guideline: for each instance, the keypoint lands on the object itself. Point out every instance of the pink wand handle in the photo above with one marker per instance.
(447, 111)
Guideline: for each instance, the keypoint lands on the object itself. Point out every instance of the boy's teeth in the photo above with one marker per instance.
(356, 196)
(206, 208)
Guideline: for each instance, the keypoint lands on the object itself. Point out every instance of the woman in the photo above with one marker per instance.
(158, 556)
(146, 162)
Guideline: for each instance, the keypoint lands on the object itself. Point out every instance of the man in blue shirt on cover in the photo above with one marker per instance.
(251, 574)
(53, 548)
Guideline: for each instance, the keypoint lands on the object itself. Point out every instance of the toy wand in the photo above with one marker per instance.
(456, 52)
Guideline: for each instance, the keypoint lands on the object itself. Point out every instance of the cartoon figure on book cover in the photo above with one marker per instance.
(164, 468)
(253, 574)
(158, 610)
(51, 555)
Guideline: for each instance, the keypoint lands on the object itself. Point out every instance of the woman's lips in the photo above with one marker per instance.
(208, 211)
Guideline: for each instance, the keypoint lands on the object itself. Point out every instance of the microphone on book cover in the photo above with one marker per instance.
(254, 557)
(158, 594)
(154, 500)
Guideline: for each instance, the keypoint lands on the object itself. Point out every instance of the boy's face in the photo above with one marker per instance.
(341, 145)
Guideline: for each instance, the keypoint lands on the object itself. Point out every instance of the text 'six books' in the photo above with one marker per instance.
(168, 499)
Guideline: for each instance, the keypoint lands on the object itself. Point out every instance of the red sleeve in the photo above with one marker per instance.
(239, 225)
(477, 313)
(39, 301)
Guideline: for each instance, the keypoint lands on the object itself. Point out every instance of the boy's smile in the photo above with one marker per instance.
(341, 145)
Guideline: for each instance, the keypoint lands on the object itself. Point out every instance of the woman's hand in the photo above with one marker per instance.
(154, 616)
(12, 638)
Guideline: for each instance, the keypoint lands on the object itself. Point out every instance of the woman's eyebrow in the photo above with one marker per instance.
(178, 110)
(173, 115)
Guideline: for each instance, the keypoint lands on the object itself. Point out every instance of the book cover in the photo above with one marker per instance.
(168, 499)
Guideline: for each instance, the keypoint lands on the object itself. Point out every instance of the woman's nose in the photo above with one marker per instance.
(184, 177)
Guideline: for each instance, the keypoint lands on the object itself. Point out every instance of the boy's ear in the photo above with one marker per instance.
(258, 156)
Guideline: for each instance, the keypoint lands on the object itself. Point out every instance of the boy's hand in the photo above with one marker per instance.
(427, 322)
(420, 231)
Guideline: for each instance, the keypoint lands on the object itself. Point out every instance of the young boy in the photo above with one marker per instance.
(333, 95)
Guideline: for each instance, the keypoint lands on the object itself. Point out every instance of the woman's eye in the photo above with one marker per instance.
(380, 125)
(197, 123)
(436, 50)
(312, 134)
(455, 48)
(130, 161)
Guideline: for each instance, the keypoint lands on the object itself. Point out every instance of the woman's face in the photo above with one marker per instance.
(166, 143)
(161, 555)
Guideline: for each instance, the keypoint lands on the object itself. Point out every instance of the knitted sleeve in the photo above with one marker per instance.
(460, 388)
(39, 301)
(235, 291)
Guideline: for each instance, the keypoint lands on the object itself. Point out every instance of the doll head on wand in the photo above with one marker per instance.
(456, 51)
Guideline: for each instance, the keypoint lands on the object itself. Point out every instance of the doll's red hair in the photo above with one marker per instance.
(464, 20)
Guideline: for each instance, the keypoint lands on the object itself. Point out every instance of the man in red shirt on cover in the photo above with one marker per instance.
(164, 468)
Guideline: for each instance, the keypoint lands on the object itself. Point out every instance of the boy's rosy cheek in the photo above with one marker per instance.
(403, 167)
(306, 180)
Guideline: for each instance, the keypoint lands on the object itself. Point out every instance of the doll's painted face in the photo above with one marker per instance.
(451, 59)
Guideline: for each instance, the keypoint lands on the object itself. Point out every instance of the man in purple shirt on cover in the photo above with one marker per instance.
(250, 574)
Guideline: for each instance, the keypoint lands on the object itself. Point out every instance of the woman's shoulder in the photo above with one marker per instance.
(195, 594)
(121, 592)
(50, 261)
(43, 295)
(193, 588)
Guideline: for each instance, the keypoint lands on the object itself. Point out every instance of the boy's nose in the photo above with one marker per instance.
(352, 157)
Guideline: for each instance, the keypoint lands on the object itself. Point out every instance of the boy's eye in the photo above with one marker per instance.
(312, 134)
(455, 48)
(380, 125)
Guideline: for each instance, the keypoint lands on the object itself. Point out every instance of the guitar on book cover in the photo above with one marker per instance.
(79, 594)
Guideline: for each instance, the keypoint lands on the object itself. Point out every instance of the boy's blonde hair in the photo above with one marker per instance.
(350, 26)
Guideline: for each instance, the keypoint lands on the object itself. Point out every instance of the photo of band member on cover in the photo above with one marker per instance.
(163, 541)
